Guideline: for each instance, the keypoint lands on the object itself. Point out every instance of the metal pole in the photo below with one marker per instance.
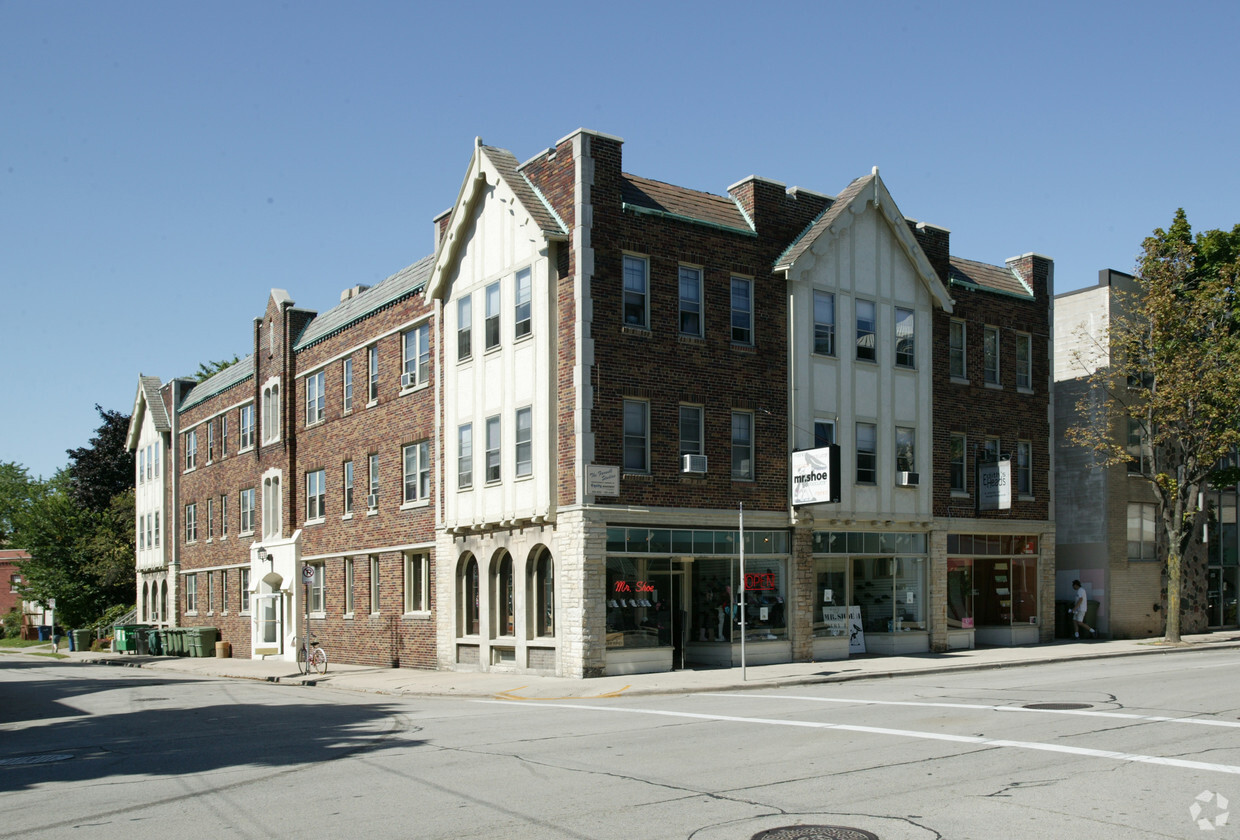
(305, 636)
(742, 547)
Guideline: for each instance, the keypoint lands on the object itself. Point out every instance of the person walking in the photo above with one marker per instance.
(1079, 606)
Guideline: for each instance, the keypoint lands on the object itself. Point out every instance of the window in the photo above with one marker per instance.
(416, 345)
(955, 464)
(191, 523)
(525, 442)
(1141, 532)
(271, 413)
(157, 529)
(824, 433)
(467, 591)
(1024, 360)
(316, 398)
(465, 456)
(346, 378)
(691, 301)
(142, 533)
(223, 519)
(246, 508)
(956, 350)
(372, 362)
(417, 582)
(906, 345)
(464, 328)
(541, 589)
(690, 430)
(1024, 468)
(990, 449)
(243, 599)
(1139, 453)
(742, 311)
(316, 492)
(417, 481)
(247, 427)
(223, 435)
(491, 324)
(316, 589)
(742, 445)
(348, 487)
(141, 465)
(210, 441)
(906, 449)
(210, 519)
(990, 355)
(493, 446)
(374, 584)
(636, 272)
(272, 501)
(210, 590)
(636, 436)
(824, 323)
(867, 350)
(867, 453)
(522, 309)
(372, 500)
(348, 586)
(191, 593)
(155, 449)
(503, 594)
(191, 450)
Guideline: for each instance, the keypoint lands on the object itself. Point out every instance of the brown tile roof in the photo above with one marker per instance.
(645, 194)
(529, 197)
(998, 278)
(823, 222)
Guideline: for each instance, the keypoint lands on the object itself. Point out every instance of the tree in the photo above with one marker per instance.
(208, 369)
(15, 495)
(1174, 373)
(100, 471)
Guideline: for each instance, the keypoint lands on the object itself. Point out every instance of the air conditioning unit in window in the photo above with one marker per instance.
(693, 464)
(372, 501)
(907, 479)
(408, 380)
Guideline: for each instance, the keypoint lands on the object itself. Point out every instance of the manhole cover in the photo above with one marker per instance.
(33, 759)
(814, 832)
(1057, 707)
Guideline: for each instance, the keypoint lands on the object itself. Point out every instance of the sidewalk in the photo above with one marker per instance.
(408, 681)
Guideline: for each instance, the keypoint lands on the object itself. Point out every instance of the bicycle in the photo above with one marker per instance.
(318, 656)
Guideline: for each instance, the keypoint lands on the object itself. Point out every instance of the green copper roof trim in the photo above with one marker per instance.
(663, 214)
(966, 285)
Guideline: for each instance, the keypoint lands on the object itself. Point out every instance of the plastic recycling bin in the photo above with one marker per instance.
(155, 642)
(80, 640)
(45, 632)
(202, 640)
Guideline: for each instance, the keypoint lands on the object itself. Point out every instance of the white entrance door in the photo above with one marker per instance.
(268, 624)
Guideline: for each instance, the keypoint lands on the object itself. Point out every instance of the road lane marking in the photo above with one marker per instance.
(974, 740)
(1082, 712)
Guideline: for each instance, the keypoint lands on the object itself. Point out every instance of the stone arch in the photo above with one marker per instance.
(540, 592)
(468, 596)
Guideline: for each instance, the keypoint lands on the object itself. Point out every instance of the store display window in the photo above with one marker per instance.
(891, 592)
(830, 596)
(960, 593)
(637, 615)
(997, 586)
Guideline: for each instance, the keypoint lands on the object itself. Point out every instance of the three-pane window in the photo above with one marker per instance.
(465, 456)
(525, 442)
(493, 450)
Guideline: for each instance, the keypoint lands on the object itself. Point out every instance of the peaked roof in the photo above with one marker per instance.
(646, 195)
(234, 374)
(504, 168)
(147, 399)
(995, 278)
(404, 282)
(868, 189)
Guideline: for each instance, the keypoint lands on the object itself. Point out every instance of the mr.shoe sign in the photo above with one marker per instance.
(816, 475)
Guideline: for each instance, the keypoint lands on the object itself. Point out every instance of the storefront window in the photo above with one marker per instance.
(639, 608)
(830, 596)
(997, 586)
(960, 593)
(891, 592)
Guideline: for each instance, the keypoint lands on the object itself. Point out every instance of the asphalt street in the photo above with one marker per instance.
(1116, 748)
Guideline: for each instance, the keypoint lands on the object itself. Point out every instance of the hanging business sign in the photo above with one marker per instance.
(994, 484)
(816, 475)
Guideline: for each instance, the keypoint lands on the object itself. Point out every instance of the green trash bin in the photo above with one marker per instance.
(142, 640)
(172, 641)
(123, 638)
(202, 641)
(155, 642)
(182, 639)
(81, 640)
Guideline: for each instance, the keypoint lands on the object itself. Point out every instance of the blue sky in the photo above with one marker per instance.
(163, 165)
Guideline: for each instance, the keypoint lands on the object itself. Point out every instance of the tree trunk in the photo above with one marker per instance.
(1174, 583)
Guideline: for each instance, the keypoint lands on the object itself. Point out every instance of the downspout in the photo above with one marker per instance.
(172, 522)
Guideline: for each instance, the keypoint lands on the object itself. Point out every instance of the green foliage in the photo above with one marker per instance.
(104, 468)
(208, 369)
(12, 623)
(110, 547)
(15, 494)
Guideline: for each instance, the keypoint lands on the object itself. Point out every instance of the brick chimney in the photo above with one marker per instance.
(1036, 270)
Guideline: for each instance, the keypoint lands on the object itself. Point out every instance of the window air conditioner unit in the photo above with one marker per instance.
(693, 464)
(408, 380)
(372, 501)
(907, 479)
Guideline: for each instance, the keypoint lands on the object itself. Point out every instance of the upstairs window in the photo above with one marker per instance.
(742, 311)
(210, 441)
(906, 344)
(247, 427)
(691, 301)
(867, 453)
(742, 445)
(955, 464)
(346, 378)
(372, 363)
(636, 436)
(690, 430)
(493, 450)
(990, 355)
(525, 442)
(465, 457)
(271, 413)
(316, 495)
(491, 325)
(1024, 468)
(417, 477)
(246, 507)
(956, 350)
(417, 356)
(316, 398)
(372, 500)
(866, 323)
(273, 524)
(464, 328)
(521, 314)
(906, 449)
(191, 450)
(824, 433)
(348, 487)
(1024, 361)
(824, 323)
(223, 435)
(191, 523)
(636, 274)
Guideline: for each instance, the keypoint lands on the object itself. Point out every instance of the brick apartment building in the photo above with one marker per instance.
(530, 451)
